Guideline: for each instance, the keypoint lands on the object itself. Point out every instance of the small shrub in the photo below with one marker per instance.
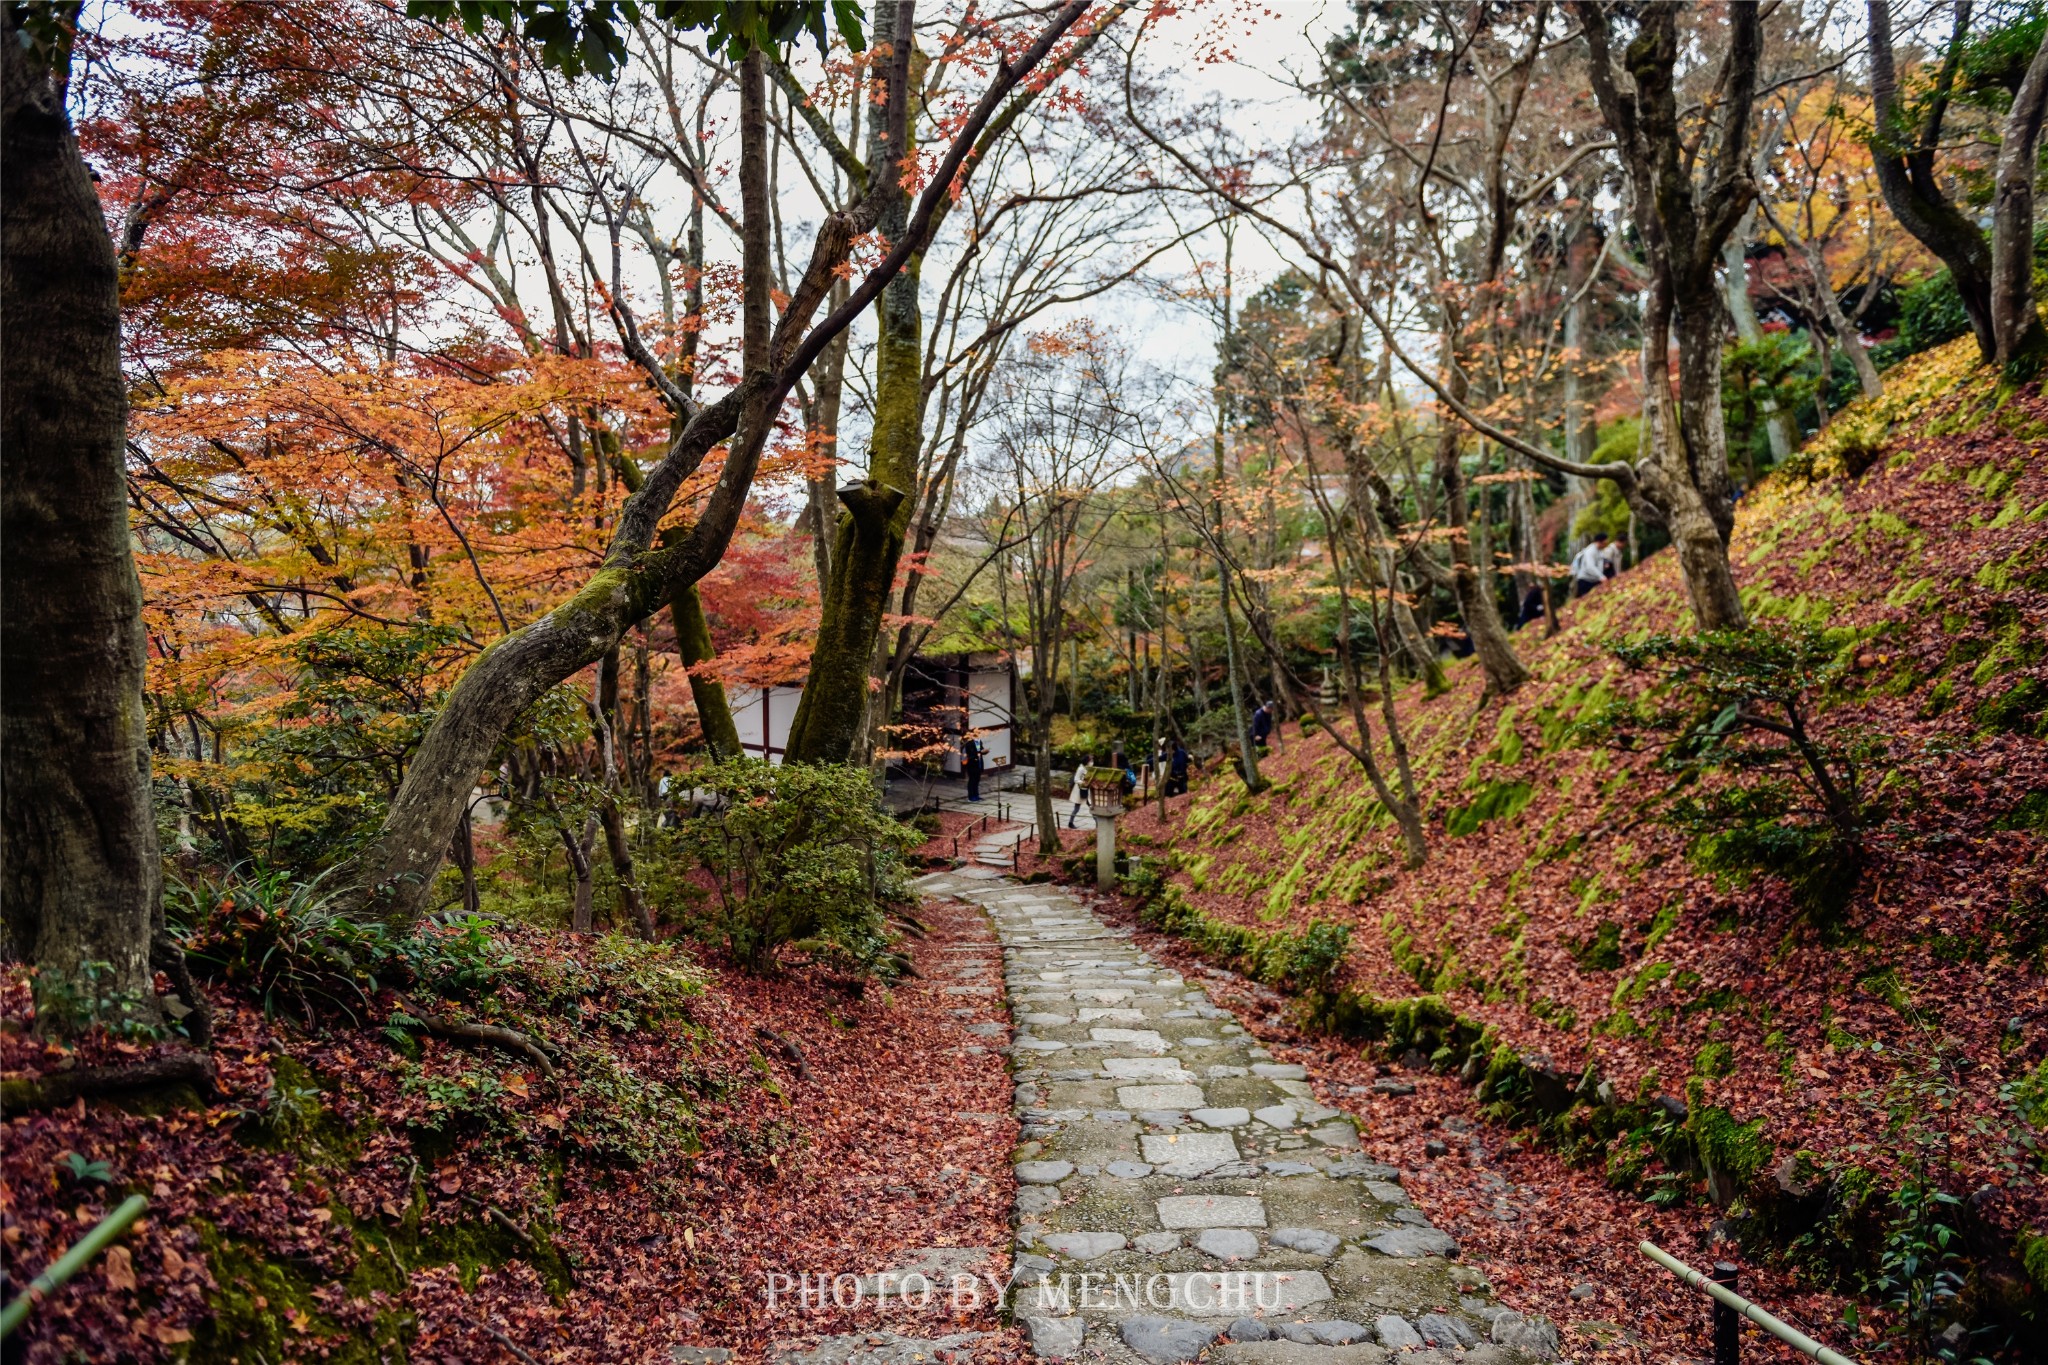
(1741, 705)
(287, 943)
(1775, 371)
(801, 856)
(1316, 955)
(622, 1118)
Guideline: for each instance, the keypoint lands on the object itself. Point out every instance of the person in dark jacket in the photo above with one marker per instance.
(1262, 724)
(1532, 604)
(974, 757)
(1177, 771)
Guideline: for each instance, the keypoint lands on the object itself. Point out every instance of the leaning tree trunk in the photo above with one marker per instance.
(393, 873)
(693, 643)
(79, 891)
(2014, 320)
(1476, 607)
(868, 543)
(1904, 161)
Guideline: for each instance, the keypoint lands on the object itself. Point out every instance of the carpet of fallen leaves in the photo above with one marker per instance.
(896, 1140)
(1939, 553)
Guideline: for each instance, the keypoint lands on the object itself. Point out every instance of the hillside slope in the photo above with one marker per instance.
(351, 1193)
(1699, 1033)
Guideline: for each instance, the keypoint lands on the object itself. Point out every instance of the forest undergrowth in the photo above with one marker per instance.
(356, 1188)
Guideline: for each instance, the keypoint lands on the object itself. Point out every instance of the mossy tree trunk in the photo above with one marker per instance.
(867, 542)
(1686, 214)
(80, 889)
(842, 704)
(693, 640)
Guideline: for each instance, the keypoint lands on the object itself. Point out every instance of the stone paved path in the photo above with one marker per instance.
(1182, 1194)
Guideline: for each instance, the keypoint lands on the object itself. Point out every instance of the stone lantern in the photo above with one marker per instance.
(1105, 803)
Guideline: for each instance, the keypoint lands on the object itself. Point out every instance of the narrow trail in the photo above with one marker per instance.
(1181, 1194)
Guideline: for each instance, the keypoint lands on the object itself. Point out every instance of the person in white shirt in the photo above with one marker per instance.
(1613, 558)
(1079, 795)
(1591, 566)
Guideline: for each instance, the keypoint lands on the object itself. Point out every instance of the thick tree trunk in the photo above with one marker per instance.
(78, 836)
(832, 716)
(693, 641)
(1905, 173)
(1682, 441)
(868, 543)
(1685, 222)
(2015, 322)
(1702, 331)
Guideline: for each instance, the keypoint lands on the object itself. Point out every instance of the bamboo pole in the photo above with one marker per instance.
(1783, 1331)
(71, 1262)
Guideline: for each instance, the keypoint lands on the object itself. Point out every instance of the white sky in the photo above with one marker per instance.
(1270, 44)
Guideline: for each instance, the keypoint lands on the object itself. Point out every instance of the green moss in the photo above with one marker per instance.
(1886, 524)
(1714, 1060)
(2020, 709)
(1347, 883)
(1906, 594)
(2033, 1255)
(1280, 899)
(1602, 950)
(1991, 480)
(1887, 986)
(1495, 801)
(1662, 923)
(1737, 1151)
(1507, 740)
(2030, 813)
(263, 1309)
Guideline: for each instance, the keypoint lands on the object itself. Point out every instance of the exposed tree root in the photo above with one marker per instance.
(89, 1082)
(795, 1053)
(510, 1039)
(168, 957)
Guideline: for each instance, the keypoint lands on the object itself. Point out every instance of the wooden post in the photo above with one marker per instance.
(1727, 1324)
